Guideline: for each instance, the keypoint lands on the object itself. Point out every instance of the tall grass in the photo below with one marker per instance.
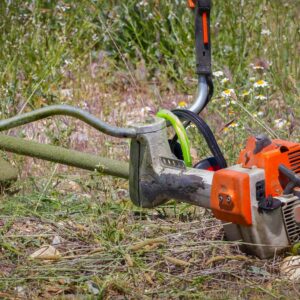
(40, 40)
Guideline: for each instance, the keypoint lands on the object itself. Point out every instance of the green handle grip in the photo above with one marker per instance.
(181, 133)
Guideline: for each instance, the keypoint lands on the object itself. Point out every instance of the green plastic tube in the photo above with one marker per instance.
(181, 133)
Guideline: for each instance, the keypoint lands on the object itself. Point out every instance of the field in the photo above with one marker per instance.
(123, 61)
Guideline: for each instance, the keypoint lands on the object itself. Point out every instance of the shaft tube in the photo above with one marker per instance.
(201, 98)
(64, 156)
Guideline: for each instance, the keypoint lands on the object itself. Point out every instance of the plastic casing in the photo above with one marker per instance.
(267, 234)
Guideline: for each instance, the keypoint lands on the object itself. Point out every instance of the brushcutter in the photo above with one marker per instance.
(258, 199)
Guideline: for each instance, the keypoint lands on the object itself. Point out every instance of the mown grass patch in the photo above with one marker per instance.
(110, 249)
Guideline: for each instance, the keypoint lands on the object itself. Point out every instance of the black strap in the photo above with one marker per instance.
(205, 131)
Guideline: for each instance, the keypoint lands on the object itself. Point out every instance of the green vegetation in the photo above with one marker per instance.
(123, 60)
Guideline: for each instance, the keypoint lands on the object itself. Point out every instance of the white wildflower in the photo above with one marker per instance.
(258, 114)
(228, 93)
(182, 104)
(246, 93)
(234, 125)
(218, 74)
(224, 80)
(258, 67)
(266, 32)
(279, 123)
(260, 84)
(142, 3)
(260, 97)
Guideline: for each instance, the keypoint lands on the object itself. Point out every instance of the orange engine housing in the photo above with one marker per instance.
(269, 158)
(230, 197)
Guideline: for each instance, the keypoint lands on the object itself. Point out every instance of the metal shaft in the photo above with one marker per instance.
(64, 156)
(67, 110)
(199, 103)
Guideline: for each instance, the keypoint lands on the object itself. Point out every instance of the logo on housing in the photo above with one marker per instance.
(225, 201)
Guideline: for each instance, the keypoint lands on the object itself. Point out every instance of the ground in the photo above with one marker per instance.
(108, 248)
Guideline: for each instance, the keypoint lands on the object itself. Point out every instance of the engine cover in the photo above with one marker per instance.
(261, 152)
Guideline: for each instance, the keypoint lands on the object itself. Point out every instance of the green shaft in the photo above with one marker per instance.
(64, 156)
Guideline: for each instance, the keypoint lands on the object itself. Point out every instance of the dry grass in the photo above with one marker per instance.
(111, 249)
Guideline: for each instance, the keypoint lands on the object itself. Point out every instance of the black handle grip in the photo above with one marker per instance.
(294, 179)
(202, 37)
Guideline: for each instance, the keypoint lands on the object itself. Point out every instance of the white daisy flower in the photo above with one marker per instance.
(260, 113)
(182, 104)
(260, 84)
(228, 93)
(234, 125)
(279, 123)
(265, 32)
(246, 93)
(150, 16)
(260, 97)
(218, 73)
(225, 105)
(258, 67)
(224, 80)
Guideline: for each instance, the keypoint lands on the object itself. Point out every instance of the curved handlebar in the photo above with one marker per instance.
(200, 101)
(68, 110)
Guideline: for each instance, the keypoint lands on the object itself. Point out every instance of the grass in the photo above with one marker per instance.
(99, 241)
(114, 59)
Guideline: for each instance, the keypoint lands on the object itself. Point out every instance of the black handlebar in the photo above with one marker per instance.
(294, 179)
(202, 37)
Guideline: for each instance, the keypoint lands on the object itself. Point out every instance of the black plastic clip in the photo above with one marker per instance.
(268, 204)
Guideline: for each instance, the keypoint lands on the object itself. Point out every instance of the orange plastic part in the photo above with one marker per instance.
(269, 159)
(205, 28)
(191, 4)
(230, 197)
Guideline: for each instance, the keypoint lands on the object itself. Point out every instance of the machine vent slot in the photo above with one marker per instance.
(295, 166)
(294, 160)
(293, 230)
(295, 152)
